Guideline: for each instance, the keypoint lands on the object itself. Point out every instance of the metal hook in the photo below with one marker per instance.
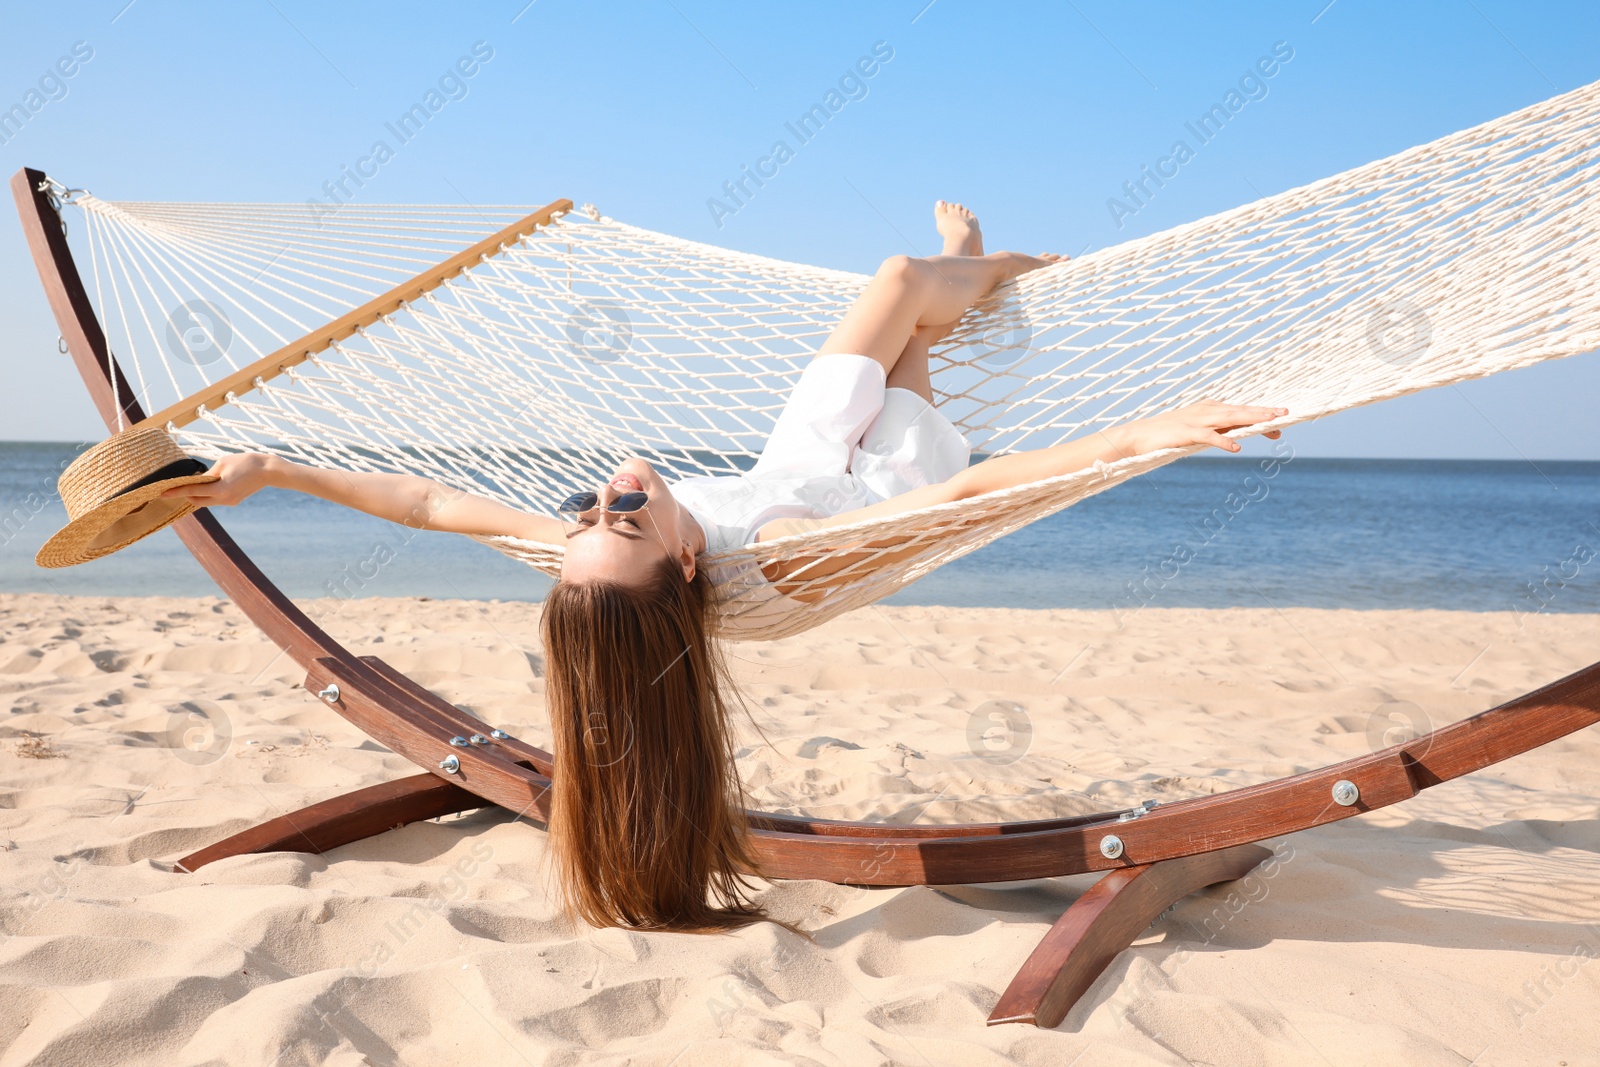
(57, 195)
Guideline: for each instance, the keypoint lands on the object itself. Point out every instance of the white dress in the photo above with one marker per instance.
(843, 441)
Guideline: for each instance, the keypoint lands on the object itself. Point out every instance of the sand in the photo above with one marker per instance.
(1458, 928)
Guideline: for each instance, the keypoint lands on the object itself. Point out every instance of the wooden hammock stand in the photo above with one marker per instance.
(1154, 857)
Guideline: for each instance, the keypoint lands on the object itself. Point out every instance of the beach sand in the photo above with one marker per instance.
(1459, 927)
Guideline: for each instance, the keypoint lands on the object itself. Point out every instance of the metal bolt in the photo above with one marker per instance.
(450, 765)
(458, 741)
(1345, 792)
(1143, 808)
(1111, 846)
(478, 739)
(331, 693)
(499, 735)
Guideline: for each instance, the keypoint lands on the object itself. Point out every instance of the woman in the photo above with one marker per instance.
(646, 820)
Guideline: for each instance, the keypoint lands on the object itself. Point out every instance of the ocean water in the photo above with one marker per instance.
(1206, 532)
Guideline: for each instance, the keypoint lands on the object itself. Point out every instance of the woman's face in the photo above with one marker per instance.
(626, 547)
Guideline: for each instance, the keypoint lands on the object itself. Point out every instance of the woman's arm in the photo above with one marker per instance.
(1204, 423)
(1197, 424)
(409, 499)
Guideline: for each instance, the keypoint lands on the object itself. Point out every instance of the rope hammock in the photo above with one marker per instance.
(533, 370)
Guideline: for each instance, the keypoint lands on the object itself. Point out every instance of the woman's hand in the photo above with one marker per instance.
(240, 475)
(1203, 423)
(407, 499)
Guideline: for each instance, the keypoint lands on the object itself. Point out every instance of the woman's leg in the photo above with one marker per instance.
(910, 370)
(932, 293)
(962, 237)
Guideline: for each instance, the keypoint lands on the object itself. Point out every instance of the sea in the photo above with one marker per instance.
(1204, 532)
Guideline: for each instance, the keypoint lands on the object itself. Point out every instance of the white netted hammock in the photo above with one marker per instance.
(534, 371)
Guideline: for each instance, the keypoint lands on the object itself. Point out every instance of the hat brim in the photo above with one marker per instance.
(119, 522)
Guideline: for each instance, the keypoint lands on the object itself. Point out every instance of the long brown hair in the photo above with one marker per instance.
(647, 821)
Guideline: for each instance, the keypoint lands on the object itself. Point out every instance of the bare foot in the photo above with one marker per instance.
(1014, 264)
(1019, 263)
(959, 228)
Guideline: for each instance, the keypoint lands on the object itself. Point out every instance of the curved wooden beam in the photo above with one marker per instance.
(1204, 824)
(70, 303)
(1102, 923)
(404, 725)
(350, 817)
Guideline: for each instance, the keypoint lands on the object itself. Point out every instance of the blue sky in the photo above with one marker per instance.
(1034, 114)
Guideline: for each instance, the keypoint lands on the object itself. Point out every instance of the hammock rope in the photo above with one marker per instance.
(533, 372)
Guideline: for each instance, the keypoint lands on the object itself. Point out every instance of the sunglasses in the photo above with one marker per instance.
(579, 503)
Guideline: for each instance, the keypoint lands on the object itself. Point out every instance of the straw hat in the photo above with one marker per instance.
(111, 493)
